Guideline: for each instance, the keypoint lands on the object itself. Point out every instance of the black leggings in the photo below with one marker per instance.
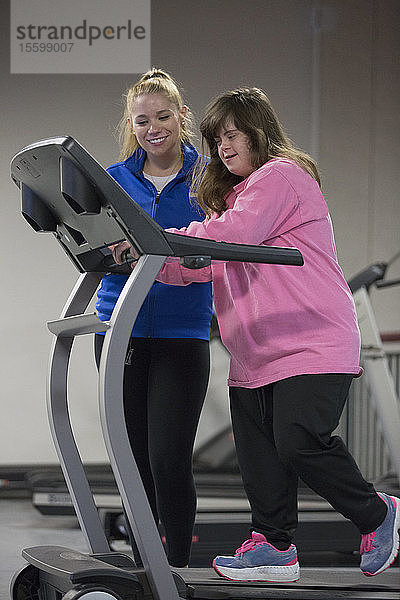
(282, 432)
(164, 390)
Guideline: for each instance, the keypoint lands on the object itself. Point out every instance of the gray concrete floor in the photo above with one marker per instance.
(22, 526)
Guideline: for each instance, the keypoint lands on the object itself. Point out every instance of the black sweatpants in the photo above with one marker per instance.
(164, 390)
(283, 432)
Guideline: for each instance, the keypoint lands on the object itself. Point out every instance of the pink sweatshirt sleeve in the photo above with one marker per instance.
(173, 273)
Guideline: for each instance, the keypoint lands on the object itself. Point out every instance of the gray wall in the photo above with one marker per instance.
(331, 69)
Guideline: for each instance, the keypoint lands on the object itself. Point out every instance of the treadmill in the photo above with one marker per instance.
(66, 192)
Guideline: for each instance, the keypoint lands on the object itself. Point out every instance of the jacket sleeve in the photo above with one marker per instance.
(173, 273)
(265, 208)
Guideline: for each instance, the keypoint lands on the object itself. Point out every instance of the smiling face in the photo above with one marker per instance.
(234, 149)
(156, 123)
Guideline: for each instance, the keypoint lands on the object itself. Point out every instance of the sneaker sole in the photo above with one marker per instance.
(396, 541)
(287, 574)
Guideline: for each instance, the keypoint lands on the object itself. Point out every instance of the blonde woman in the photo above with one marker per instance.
(167, 362)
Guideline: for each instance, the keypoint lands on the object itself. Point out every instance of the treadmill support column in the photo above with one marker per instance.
(123, 464)
(58, 413)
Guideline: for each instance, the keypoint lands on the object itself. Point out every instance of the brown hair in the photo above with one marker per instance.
(155, 81)
(253, 114)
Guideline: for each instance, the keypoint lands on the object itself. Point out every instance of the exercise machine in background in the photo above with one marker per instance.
(381, 381)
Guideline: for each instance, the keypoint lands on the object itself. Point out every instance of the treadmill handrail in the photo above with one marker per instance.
(185, 245)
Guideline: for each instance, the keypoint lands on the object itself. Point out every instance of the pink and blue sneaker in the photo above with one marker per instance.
(379, 549)
(258, 560)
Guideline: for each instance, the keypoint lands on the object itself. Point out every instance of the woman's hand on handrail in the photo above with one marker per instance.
(123, 253)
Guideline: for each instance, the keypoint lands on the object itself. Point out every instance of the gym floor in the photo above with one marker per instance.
(22, 526)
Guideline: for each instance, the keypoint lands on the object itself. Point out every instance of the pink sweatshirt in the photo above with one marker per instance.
(277, 321)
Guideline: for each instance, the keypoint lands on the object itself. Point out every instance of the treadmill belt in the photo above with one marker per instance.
(314, 584)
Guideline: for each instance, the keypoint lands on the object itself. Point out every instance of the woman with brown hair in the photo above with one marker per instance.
(292, 334)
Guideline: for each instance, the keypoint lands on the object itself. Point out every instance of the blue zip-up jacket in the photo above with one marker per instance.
(168, 311)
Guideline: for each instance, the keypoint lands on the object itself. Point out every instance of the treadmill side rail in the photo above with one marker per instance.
(77, 325)
(73, 565)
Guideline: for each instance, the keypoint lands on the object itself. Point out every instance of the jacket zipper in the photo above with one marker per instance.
(151, 308)
(153, 215)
